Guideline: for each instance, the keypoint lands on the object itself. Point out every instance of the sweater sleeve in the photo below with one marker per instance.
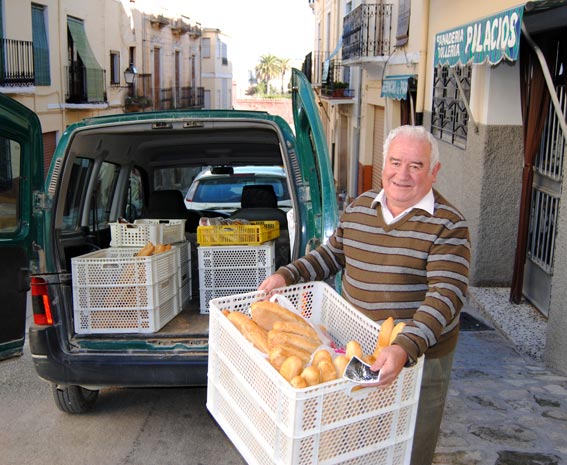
(447, 283)
(319, 264)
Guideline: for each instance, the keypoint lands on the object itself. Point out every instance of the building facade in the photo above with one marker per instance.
(464, 70)
(71, 59)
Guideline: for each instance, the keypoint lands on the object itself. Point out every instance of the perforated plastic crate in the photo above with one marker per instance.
(113, 287)
(144, 230)
(225, 270)
(257, 232)
(270, 422)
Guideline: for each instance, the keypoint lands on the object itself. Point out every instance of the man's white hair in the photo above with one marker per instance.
(416, 132)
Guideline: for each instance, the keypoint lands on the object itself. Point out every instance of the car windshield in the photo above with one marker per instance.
(229, 189)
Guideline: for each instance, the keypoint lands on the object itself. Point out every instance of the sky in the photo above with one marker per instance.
(283, 28)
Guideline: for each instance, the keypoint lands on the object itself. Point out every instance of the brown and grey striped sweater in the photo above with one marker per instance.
(415, 269)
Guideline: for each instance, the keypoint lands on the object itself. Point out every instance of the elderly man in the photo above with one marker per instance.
(404, 252)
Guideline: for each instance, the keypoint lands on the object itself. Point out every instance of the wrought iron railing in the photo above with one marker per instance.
(16, 63)
(85, 85)
(366, 32)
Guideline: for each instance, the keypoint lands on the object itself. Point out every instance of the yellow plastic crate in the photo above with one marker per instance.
(257, 232)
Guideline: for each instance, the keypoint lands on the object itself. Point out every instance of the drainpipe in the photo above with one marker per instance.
(422, 66)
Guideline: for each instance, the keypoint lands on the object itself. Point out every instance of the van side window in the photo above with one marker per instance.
(9, 185)
(135, 196)
(103, 196)
(76, 193)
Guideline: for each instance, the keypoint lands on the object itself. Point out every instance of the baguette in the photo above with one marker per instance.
(256, 335)
(384, 335)
(276, 337)
(397, 330)
(302, 328)
(237, 319)
(280, 352)
(266, 313)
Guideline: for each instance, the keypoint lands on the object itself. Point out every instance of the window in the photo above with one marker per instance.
(76, 192)
(206, 47)
(114, 68)
(224, 54)
(103, 196)
(9, 185)
(40, 47)
(449, 115)
(135, 196)
(402, 33)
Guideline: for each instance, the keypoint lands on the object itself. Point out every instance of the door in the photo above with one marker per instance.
(318, 203)
(544, 212)
(21, 173)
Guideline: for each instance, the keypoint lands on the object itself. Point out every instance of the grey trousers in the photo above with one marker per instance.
(434, 387)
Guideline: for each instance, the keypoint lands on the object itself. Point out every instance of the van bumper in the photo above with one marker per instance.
(112, 370)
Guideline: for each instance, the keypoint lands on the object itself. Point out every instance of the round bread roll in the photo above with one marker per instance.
(353, 349)
(291, 367)
(298, 382)
(340, 362)
(312, 375)
(328, 371)
(320, 356)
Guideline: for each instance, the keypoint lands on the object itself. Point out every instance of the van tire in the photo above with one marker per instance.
(73, 399)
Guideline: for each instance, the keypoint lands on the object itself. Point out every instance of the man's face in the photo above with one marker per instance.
(406, 177)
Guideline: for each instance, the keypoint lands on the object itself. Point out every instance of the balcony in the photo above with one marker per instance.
(16, 63)
(170, 98)
(85, 86)
(332, 88)
(367, 36)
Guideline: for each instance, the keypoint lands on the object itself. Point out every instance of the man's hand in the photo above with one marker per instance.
(390, 362)
(272, 282)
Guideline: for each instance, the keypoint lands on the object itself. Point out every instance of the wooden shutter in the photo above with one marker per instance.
(377, 147)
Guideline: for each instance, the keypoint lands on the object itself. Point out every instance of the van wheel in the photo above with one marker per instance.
(73, 399)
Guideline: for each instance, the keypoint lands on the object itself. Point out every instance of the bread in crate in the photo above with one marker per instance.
(125, 289)
(270, 421)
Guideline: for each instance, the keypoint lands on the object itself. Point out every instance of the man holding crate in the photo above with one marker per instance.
(404, 252)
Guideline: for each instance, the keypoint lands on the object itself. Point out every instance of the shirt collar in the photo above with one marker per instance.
(427, 203)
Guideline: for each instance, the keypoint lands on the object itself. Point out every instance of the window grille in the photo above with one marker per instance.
(449, 115)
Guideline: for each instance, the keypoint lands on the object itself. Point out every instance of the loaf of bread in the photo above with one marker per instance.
(291, 367)
(340, 362)
(353, 349)
(321, 355)
(312, 375)
(238, 319)
(327, 370)
(266, 313)
(280, 352)
(276, 337)
(256, 335)
(302, 328)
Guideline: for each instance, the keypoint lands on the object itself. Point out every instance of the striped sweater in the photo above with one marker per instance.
(415, 270)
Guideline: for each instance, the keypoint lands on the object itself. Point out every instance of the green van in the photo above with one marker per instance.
(105, 172)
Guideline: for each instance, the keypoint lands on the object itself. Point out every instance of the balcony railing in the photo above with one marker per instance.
(85, 85)
(367, 31)
(16, 63)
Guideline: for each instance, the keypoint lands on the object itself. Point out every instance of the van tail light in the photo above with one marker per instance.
(40, 302)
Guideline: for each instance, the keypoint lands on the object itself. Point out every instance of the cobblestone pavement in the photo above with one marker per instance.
(503, 407)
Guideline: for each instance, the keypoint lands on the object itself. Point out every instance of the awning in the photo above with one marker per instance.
(491, 39)
(94, 72)
(396, 87)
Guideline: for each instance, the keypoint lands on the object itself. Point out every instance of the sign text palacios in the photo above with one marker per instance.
(489, 39)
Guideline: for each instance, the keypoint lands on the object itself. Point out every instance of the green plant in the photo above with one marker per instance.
(137, 100)
(340, 85)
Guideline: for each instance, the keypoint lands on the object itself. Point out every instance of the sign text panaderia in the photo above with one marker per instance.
(489, 39)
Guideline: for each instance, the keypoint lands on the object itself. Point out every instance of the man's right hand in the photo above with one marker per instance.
(272, 282)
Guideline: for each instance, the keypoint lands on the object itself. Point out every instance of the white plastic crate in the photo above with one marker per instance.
(112, 288)
(125, 320)
(270, 422)
(233, 270)
(137, 234)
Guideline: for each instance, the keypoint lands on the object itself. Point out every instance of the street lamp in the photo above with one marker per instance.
(129, 76)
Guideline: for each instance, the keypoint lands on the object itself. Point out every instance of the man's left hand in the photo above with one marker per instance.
(390, 362)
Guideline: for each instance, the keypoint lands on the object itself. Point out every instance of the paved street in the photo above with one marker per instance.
(503, 409)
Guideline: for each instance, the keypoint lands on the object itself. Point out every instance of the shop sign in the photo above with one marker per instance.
(491, 39)
(395, 87)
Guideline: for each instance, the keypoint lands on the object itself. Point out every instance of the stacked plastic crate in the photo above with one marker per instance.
(234, 258)
(117, 291)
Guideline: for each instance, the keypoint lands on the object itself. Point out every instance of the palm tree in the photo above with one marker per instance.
(267, 69)
(284, 67)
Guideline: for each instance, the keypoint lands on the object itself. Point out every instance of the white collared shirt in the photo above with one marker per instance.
(427, 203)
